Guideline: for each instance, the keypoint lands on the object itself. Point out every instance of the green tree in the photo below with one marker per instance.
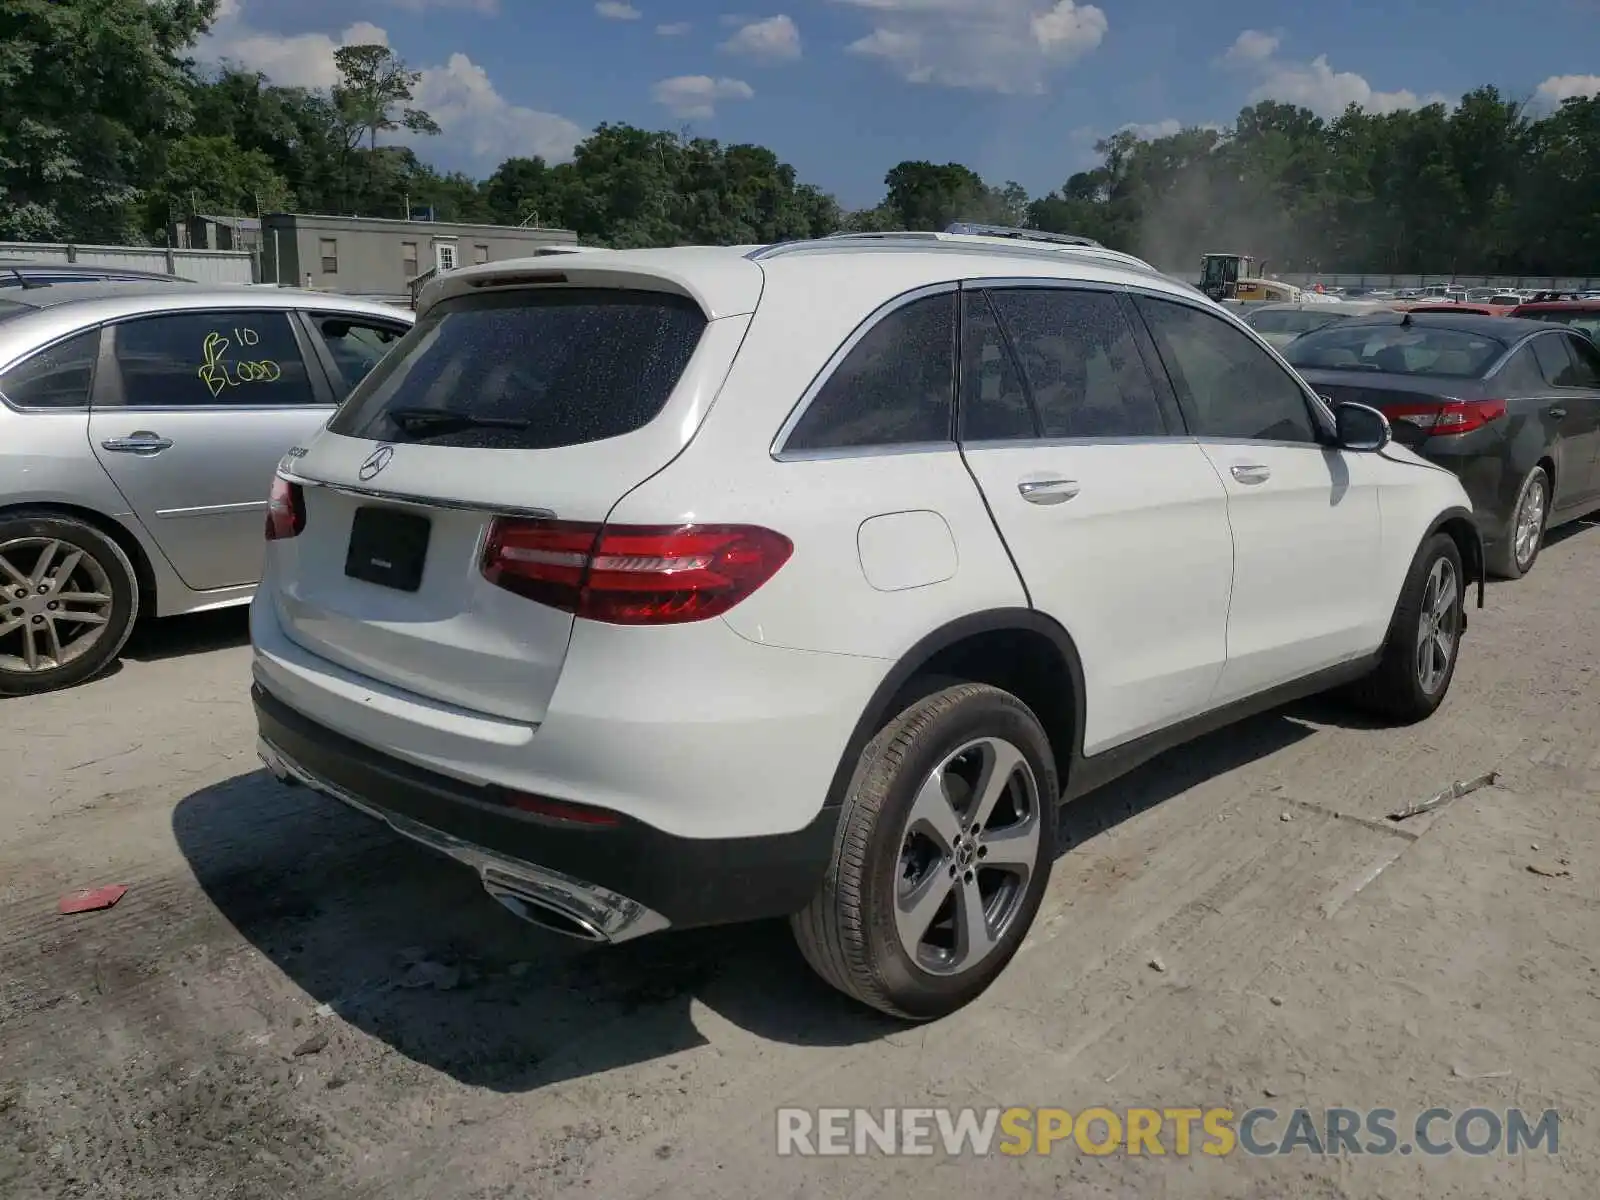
(214, 175)
(89, 92)
(373, 84)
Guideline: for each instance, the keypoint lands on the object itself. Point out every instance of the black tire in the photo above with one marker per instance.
(1396, 689)
(23, 537)
(849, 933)
(1504, 562)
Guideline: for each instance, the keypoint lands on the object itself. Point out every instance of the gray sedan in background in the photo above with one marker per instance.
(140, 425)
(1511, 406)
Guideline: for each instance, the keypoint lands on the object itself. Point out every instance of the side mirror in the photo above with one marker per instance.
(1360, 427)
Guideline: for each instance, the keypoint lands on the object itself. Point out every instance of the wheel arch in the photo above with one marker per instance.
(1458, 524)
(1018, 649)
(126, 540)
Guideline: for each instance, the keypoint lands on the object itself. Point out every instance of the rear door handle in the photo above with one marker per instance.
(1252, 472)
(1558, 413)
(140, 442)
(1048, 491)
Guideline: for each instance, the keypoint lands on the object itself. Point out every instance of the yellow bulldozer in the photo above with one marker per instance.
(1236, 277)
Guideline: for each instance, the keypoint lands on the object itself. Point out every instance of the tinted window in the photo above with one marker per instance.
(58, 376)
(1585, 364)
(1231, 387)
(1080, 362)
(211, 358)
(356, 344)
(1395, 349)
(1551, 353)
(894, 388)
(994, 405)
(1520, 376)
(528, 370)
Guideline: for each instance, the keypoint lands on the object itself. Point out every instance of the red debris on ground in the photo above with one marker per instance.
(93, 899)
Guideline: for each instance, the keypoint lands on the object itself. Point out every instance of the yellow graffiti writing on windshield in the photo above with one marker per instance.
(215, 373)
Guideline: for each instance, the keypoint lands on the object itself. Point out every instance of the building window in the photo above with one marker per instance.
(330, 256)
(480, 254)
(408, 255)
(445, 256)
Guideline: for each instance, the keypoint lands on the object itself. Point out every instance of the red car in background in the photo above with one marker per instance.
(1581, 315)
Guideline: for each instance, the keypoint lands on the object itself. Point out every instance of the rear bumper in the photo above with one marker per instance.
(613, 883)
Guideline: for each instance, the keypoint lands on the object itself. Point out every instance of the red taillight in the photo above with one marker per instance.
(286, 509)
(1443, 417)
(632, 574)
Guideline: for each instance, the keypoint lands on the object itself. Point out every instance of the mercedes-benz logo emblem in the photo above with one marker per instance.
(376, 461)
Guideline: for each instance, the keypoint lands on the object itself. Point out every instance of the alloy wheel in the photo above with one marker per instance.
(1437, 628)
(1530, 522)
(55, 603)
(969, 847)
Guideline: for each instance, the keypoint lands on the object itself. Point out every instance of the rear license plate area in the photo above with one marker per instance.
(388, 547)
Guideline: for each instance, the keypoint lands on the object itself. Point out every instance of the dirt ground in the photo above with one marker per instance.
(291, 1002)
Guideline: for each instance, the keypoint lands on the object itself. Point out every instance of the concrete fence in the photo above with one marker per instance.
(1552, 283)
(202, 266)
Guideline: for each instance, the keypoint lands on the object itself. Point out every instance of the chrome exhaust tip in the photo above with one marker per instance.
(547, 916)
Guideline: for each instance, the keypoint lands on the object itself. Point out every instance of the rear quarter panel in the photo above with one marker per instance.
(822, 598)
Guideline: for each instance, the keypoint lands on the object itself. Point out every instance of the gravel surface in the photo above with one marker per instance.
(291, 1002)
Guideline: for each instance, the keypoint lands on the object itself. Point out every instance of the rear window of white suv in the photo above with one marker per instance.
(528, 370)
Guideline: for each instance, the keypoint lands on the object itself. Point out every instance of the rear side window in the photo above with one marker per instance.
(895, 387)
(357, 344)
(1585, 363)
(1554, 361)
(211, 359)
(1081, 363)
(59, 376)
(528, 370)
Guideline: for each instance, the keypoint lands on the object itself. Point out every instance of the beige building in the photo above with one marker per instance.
(376, 256)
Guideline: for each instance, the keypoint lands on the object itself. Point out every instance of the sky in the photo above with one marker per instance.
(844, 89)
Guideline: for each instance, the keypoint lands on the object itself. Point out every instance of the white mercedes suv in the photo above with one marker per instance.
(678, 587)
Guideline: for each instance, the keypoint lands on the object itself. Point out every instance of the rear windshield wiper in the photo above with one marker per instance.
(444, 420)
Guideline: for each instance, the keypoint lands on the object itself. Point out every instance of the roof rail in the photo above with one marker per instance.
(974, 229)
(944, 243)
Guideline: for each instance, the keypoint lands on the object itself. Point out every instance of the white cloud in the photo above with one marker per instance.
(1314, 85)
(458, 93)
(460, 96)
(617, 10)
(775, 39)
(1007, 46)
(1252, 46)
(696, 96)
(1154, 129)
(1568, 87)
(674, 28)
(290, 60)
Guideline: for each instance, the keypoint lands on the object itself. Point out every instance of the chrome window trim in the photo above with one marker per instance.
(777, 449)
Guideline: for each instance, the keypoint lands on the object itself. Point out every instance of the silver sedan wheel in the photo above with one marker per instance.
(55, 603)
(1438, 627)
(969, 848)
(1530, 522)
